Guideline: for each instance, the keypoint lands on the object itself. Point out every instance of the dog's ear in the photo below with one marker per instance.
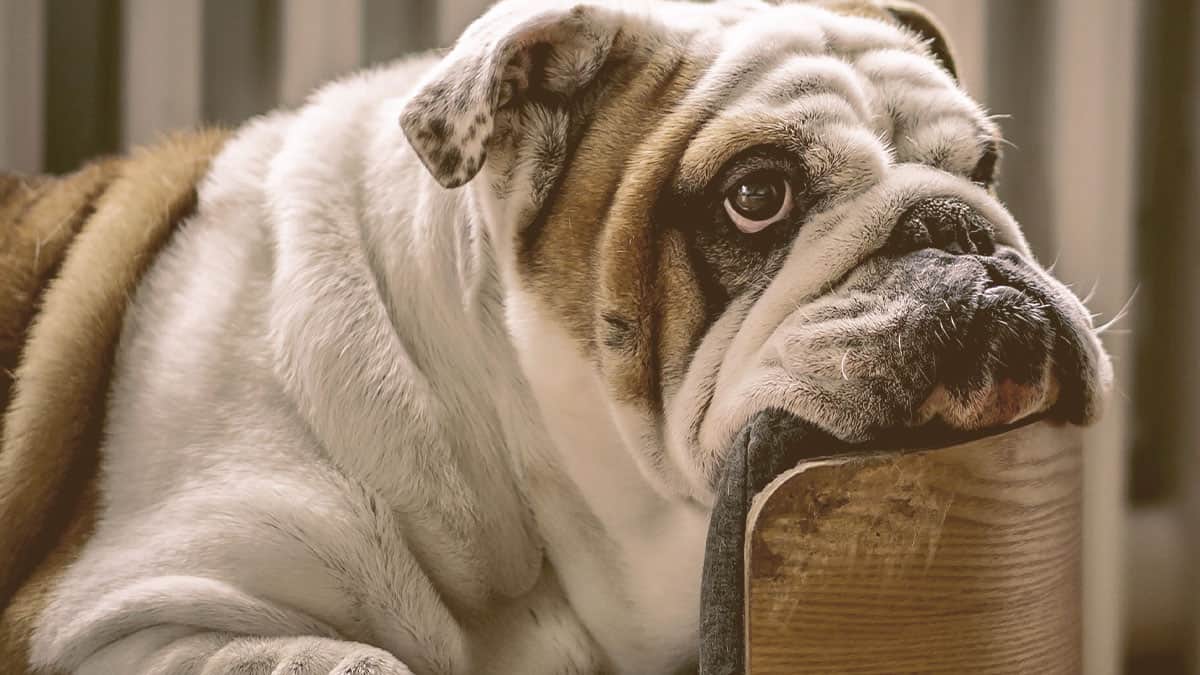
(516, 52)
(922, 22)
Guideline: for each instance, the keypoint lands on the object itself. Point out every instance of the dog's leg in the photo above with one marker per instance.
(177, 650)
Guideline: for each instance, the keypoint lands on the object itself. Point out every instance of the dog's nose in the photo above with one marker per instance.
(944, 223)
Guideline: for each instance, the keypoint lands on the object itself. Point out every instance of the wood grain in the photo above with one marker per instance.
(958, 560)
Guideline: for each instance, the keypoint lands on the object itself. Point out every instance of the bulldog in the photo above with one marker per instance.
(437, 373)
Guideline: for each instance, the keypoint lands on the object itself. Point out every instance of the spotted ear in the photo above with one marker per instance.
(512, 54)
(922, 22)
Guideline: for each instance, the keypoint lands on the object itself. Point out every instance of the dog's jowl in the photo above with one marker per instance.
(436, 374)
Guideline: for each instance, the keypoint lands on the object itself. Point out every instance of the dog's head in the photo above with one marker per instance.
(740, 206)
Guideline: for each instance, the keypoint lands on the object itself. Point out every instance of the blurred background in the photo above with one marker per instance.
(1098, 99)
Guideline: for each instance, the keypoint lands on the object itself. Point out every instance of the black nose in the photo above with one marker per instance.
(943, 223)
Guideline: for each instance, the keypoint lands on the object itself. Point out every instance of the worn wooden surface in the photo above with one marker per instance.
(958, 560)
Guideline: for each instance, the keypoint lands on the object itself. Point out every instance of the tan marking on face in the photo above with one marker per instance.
(595, 255)
(682, 309)
(645, 277)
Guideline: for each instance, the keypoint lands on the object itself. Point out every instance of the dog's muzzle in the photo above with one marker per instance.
(942, 325)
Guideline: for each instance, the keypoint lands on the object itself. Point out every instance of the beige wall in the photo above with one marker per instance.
(21, 38)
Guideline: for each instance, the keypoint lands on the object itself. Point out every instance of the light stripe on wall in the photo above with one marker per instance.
(965, 22)
(22, 27)
(320, 40)
(161, 65)
(1093, 66)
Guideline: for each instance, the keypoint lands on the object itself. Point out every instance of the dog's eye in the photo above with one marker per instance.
(759, 200)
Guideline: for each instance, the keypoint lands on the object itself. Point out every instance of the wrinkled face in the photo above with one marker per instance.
(732, 208)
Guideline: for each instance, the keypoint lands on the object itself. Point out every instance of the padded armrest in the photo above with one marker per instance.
(961, 559)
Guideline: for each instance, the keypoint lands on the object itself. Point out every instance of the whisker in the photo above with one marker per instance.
(1054, 264)
(1101, 330)
(1005, 141)
(1121, 313)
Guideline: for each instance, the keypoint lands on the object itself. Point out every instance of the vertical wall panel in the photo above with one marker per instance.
(1155, 612)
(240, 73)
(1065, 89)
(161, 66)
(1166, 451)
(1020, 92)
(397, 27)
(1167, 251)
(965, 22)
(455, 15)
(320, 41)
(1092, 130)
(83, 82)
(22, 28)
(1190, 475)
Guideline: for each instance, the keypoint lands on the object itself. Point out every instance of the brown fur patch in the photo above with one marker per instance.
(100, 228)
(596, 261)
(558, 253)
(683, 311)
(39, 217)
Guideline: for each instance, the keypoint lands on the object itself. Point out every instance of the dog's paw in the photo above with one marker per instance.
(298, 656)
(369, 661)
(316, 656)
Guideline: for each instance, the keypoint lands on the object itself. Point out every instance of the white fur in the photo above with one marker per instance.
(639, 593)
(318, 425)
